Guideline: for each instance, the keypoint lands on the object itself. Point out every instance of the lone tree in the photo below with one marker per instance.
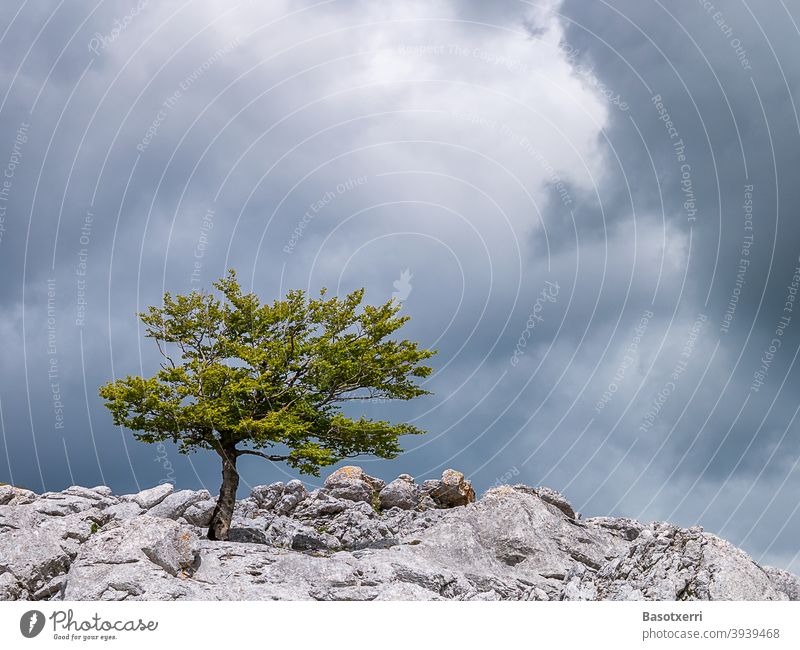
(243, 378)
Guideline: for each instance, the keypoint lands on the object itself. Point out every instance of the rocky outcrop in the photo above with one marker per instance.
(358, 538)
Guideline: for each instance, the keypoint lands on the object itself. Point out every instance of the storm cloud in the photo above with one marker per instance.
(588, 208)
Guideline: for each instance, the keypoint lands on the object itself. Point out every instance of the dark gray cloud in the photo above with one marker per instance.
(493, 150)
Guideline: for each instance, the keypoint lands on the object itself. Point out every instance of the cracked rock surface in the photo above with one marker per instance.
(359, 538)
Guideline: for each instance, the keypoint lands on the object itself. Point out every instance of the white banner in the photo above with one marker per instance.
(386, 625)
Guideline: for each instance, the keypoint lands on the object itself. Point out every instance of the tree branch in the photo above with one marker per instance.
(250, 452)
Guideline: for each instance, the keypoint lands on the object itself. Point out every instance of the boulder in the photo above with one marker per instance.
(199, 514)
(556, 499)
(293, 494)
(278, 497)
(353, 484)
(177, 503)
(100, 494)
(451, 490)
(285, 532)
(266, 496)
(29, 560)
(124, 510)
(515, 543)
(320, 503)
(670, 563)
(134, 560)
(146, 499)
(402, 493)
(14, 496)
(59, 504)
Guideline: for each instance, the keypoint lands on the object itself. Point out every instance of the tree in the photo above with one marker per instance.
(244, 378)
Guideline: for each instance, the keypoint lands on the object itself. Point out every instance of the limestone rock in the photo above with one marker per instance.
(556, 499)
(515, 543)
(29, 560)
(136, 559)
(670, 563)
(266, 496)
(13, 496)
(402, 493)
(785, 582)
(125, 510)
(353, 484)
(451, 491)
(146, 499)
(177, 503)
(199, 514)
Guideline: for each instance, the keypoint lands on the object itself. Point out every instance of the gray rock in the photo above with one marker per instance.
(670, 563)
(320, 503)
(402, 493)
(59, 504)
(146, 499)
(36, 549)
(177, 503)
(353, 484)
(199, 514)
(14, 496)
(29, 560)
(137, 559)
(515, 543)
(266, 496)
(99, 494)
(627, 529)
(556, 499)
(247, 536)
(785, 582)
(125, 510)
(451, 490)
(246, 509)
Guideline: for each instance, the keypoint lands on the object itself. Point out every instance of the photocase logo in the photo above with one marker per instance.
(402, 286)
(31, 623)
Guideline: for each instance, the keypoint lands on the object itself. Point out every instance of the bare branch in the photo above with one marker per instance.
(251, 452)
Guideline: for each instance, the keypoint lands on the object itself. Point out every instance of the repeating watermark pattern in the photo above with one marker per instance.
(504, 129)
(169, 104)
(785, 319)
(736, 44)
(679, 149)
(166, 464)
(53, 373)
(317, 206)
(100, 42)
(505, 477)
(629, 358)
(10, 170)
(476, 53)
(548, 294)
(744, 261)
(669, 387)
(571, 54)
(590, 77)
(82, 267)
(206, 226)
(402, 286)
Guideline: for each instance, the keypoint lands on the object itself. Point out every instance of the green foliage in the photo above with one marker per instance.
(240, 377)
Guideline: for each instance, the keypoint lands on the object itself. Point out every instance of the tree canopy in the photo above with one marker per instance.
(241, 377)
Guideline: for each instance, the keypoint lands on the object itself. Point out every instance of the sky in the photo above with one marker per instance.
(588, 208)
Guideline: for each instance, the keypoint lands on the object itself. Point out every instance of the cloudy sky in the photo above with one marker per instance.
(589, 208)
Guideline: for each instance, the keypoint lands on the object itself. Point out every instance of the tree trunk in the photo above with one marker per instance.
(223, 512)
